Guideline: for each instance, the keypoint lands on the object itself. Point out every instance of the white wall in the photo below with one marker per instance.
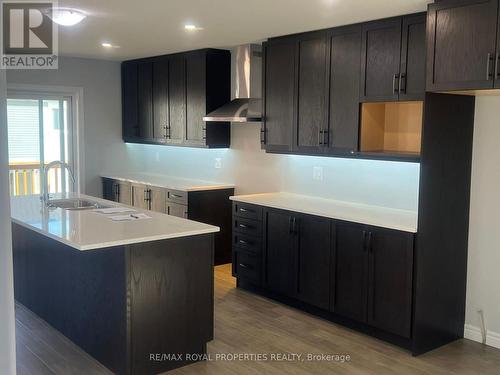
(100, 81)
(7, 321)
(483, 283)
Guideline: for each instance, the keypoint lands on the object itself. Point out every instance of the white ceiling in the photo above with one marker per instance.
(153, 27)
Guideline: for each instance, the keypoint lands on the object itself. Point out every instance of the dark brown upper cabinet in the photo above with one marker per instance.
(278, 94)
(310, 105)
(196, 104)
(145, 99)
(412, 73)
(166, 97)
(312, 56)
(314, 82)
(161, 117)
(345, 67)
(462, 46)
(130, 122)
(176, 100)
(393, 59)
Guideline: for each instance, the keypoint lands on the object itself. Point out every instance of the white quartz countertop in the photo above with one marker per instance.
(168, 182)
(87, 229)
(391, 218)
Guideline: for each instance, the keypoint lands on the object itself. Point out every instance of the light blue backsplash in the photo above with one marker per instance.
(382, 183)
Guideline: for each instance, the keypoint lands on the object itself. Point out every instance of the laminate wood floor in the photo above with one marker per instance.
(246, 323)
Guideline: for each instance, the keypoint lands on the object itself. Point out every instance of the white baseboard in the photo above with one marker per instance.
(474, 333)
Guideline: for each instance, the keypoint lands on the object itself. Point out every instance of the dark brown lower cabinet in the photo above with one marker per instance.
(297, 256)
(373, 276)
(390, 278)
(349, 272)
(357, 273)
(279, 245)
(313, 260)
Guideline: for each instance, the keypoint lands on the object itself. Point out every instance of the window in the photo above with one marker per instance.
(40, 130)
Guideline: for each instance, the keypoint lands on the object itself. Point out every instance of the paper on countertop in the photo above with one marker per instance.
(131, 217)
(114, 210)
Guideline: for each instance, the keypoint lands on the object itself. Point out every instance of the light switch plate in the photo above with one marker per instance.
(218, 163)
(318, 173)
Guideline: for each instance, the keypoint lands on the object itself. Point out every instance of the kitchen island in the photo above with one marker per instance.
(136, 295)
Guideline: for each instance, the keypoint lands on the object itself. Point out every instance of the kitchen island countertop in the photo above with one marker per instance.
(88, 230)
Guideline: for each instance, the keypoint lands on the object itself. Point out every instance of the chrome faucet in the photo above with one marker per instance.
(45, 197)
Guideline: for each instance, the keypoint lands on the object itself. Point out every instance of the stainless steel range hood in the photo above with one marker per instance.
(246, 63)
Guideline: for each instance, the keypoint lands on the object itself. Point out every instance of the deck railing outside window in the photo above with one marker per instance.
(24, 179)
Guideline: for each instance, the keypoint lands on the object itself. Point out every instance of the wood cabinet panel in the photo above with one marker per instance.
(145, 100)
(195, 97)
(390, 281)
(166, 97)
(312, 92)
(345, 65)
(179, 210)
(279, 95)
(313, 260)
(177, 99)
(350, 270)
(160, 99)
(279, 247)
(380, 61)
(412, 75)
(130, 100)
(157, 199)
(140, 196)
(123, 192)
(461, 44)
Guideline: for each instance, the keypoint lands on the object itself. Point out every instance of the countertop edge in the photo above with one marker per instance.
(105, 245)
(246, 199)
(166, 186)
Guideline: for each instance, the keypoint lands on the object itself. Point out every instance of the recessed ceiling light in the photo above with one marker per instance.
(109, 45)
(191, 27)
(66, 16)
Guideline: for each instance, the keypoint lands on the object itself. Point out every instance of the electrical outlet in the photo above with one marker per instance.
(218, 163)
(157, 156)
(318, 173)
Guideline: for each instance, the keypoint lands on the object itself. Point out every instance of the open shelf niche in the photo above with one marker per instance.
(391, 128)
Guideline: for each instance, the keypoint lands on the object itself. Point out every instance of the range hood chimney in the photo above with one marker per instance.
(246, 71)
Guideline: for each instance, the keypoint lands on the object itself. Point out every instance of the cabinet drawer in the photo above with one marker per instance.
(247, 226)
(177, 196)
(248, 211)
(247, 243)
(175, 209)
(247, 266)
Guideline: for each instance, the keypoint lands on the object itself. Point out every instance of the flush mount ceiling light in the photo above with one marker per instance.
(191, 27)
(66, 16)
